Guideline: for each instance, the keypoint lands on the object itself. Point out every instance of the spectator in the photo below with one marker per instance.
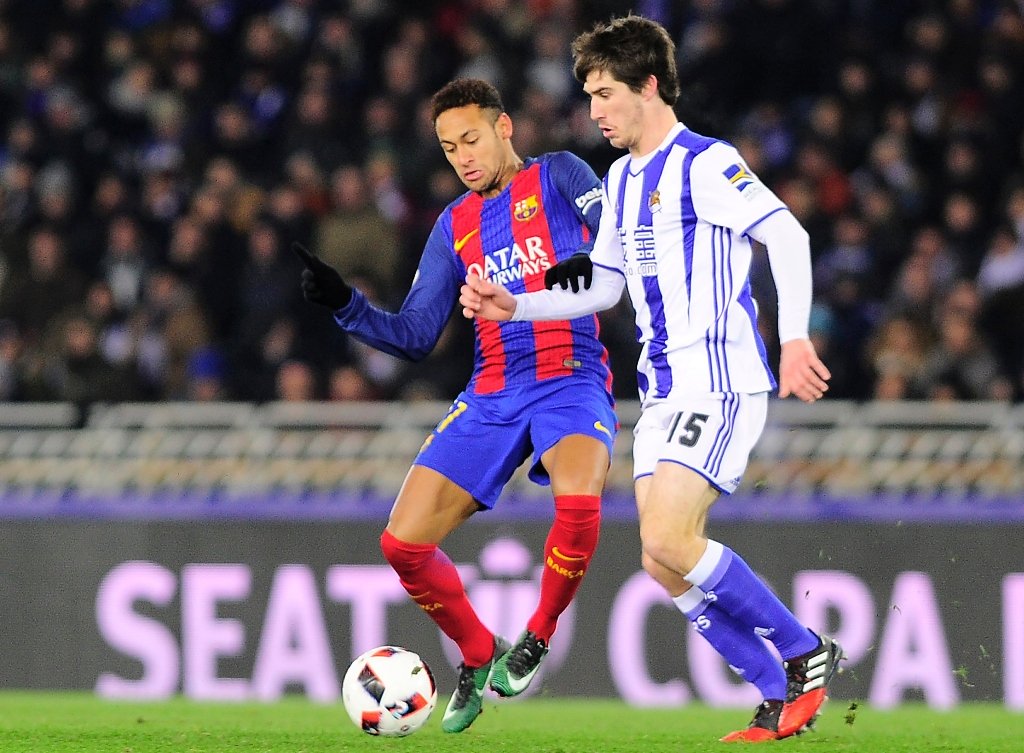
(314, 127)
(124, 262)
(144, 138)
(1002, 267)
(205, 376)
(255, 367)
(32, 300)
(356, 236)
(265, 287)
(347, 383)
(963, 227)
(77, 372)
(960, 366)
(897, 354)
(296, 382)
(12, 378)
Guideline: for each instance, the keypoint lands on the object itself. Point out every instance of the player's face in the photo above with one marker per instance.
(477, 147)
(615, 108)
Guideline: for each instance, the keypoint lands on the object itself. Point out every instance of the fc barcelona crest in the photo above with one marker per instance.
(526, 208)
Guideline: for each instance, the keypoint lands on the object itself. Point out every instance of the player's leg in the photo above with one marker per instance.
(460, 469)
(810, 661)
(577, 465)
(572, 426)
(705, 453)
(741, 647)
(428, 508)
(703, 450)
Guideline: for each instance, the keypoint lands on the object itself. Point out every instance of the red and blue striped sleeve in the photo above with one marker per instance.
(414, 330)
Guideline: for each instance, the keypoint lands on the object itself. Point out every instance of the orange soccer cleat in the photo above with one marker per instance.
(807, 680)
(764, 727)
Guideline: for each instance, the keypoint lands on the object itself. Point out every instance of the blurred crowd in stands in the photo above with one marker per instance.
(157, 158)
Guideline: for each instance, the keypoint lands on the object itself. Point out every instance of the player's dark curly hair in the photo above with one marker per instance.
(630, 48)
(466, 91)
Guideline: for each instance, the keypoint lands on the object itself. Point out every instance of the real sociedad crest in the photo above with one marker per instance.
(654, 201)
(526, 208)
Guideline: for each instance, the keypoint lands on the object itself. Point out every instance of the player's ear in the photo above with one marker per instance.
(503, 126)
(650, 87)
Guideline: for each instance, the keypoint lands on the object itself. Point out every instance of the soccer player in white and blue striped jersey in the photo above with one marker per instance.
(680, 213)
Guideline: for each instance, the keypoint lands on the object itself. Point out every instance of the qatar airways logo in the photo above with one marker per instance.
(513, 262)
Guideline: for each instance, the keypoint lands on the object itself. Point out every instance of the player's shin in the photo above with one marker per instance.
(434, 584)
(725, 577)
(747, 654)
(567, 552)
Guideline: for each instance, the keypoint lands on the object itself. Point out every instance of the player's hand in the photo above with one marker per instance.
(321, 283)
(801, 372)
(480, 298)
(569, 271)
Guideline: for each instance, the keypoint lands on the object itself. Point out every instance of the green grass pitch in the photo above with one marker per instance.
(65, 722)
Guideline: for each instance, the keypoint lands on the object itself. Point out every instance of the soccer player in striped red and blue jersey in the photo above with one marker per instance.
(540, 389)
(680, 213)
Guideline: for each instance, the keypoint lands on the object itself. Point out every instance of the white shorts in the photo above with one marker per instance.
(711, 434)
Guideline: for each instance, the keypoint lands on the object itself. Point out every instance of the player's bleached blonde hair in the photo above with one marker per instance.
(631, 49)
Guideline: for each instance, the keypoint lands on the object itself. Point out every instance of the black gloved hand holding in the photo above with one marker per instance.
(321, 283)
(569, 271)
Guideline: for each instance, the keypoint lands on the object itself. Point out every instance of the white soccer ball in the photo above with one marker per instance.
(389, 691)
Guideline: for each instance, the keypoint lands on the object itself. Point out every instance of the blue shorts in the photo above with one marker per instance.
(484, 438)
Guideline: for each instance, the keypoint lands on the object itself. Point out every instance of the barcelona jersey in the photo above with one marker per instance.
(549, 211)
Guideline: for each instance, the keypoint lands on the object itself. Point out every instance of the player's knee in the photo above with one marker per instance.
(665, 577)
(579, 510)
(389, 546)
(403, 556)
(650, 565)
(675, 551)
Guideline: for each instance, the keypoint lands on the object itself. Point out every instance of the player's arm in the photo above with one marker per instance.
(801, 372)
(491, 301)
(727, 194)
(414, 330)
(582, 189)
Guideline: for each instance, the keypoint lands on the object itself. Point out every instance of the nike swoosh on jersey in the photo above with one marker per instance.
(554, 551)
(460, 242)
(601, 427)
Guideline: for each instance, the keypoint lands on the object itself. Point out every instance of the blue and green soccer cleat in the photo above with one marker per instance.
(517, 667)
(466, 703)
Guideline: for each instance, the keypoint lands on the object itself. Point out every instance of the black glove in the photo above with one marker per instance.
(321, 282)
(569, 271)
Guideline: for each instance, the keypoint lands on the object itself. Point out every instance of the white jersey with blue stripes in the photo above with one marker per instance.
(674, 223)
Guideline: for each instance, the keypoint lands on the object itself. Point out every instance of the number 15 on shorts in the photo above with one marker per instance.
(685, 428)
(715, 440)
